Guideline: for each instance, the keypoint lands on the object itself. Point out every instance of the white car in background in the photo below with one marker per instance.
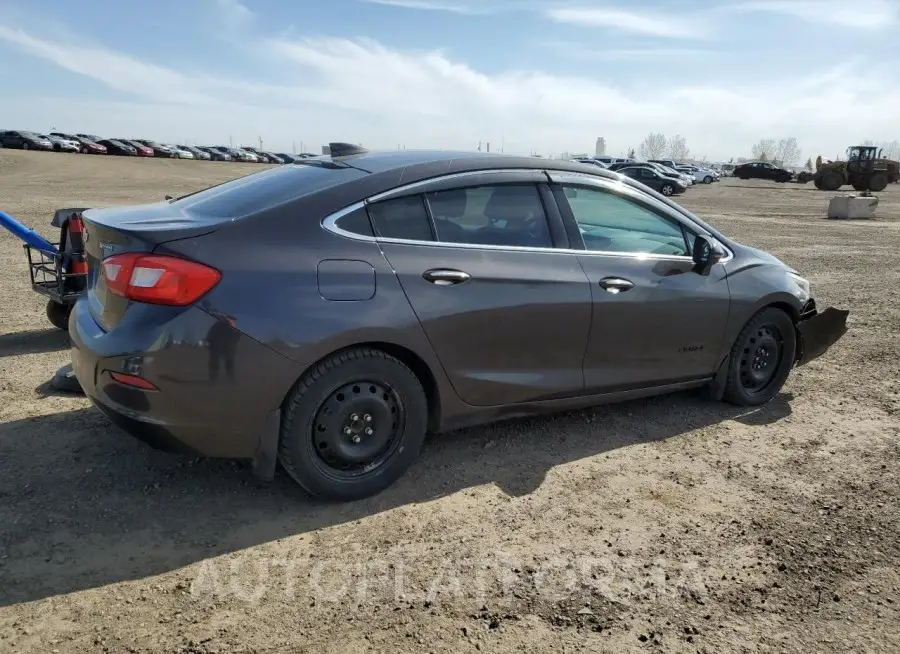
(704, 175)
(181, 153)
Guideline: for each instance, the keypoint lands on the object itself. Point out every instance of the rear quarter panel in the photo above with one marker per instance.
(270, 286)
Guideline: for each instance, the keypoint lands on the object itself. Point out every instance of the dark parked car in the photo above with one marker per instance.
(24, 140)
(87, 146)
(217, 154)
(762, 170)
(159, 149)
(118, 148)
(332, 312)
(141, 149)
(654, 179)
(289, 158)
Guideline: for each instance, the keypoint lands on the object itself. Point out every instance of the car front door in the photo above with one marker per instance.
(479, 257)
(655, 320)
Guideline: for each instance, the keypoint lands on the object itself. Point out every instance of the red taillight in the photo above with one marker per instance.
(132, 380)
(158, 279)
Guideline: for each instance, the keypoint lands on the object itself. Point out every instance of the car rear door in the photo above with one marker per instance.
(480, 258)
(655, 320)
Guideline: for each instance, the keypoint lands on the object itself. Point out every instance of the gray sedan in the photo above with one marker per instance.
(329, 313)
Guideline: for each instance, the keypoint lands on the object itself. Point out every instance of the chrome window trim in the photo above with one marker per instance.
(442, 178)
(329, 222)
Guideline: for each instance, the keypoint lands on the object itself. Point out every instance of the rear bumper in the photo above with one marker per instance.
(818, 332)
(216, 387)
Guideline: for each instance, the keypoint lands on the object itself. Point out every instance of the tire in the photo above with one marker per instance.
(667, 189)
(58, 314)
(761, 358)
(84, 149)
(708, 179)
(878, 182)
(331, 410)
(860, 187)
(831, 181)
(24, 145)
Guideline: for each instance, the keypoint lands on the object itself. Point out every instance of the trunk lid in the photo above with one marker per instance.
(108, 232)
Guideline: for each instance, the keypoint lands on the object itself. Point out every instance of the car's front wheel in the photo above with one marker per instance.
(708, 179)
(761, 358)
(667, 189)
(353, 425)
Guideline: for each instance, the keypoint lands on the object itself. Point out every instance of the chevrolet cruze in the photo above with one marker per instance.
(329, 313)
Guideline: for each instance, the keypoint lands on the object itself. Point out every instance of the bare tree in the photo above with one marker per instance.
(809, 164)
(677, 148)
(764, 150)
(654, 146)
(787, 152)
(631, 153)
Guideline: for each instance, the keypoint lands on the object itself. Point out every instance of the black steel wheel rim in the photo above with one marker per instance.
(761, 359)
(357, 428)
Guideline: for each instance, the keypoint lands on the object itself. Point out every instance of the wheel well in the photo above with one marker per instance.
(788, 309)
(415, 363)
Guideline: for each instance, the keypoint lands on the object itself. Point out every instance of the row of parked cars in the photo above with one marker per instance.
(663, 175)
(93, 144)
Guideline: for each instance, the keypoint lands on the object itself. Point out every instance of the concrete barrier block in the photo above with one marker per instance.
(852, 206)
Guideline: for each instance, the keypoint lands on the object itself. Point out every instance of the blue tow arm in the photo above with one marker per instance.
(30, 236)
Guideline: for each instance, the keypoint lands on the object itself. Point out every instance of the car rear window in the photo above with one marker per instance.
(264, 190)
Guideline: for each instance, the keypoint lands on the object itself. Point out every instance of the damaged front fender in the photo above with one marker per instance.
(819, 332)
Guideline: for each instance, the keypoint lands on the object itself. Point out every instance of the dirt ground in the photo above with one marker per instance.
(672, 524)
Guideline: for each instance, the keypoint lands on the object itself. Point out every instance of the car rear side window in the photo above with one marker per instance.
(510, 214)
(403, 218)
(264, 190)
(356, 222)
(611, 223)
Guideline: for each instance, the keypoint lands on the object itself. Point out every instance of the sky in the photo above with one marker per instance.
(542, 76)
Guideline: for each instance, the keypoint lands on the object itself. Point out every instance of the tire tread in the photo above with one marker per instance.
(303, 386)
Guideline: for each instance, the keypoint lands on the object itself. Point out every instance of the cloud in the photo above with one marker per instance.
(590, 52)
(647, 23)
(859, 14)
(360, 90)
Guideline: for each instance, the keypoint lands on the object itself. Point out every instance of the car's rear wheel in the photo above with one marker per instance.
(58, 314)
(353, 425)
(24, 145)
(761, 358)
(708, 179)
(667, 189)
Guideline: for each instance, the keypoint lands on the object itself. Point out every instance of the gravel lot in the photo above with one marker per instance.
(672, 524)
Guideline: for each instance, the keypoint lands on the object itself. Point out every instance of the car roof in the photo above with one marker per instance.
(453, 161)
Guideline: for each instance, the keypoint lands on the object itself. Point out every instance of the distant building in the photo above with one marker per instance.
(600, 147)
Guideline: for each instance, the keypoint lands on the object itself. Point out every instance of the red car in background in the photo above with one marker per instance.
(142, 150)
(87, 145)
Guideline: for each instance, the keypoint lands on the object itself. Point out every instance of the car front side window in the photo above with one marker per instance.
(611, 223)
(507, 214)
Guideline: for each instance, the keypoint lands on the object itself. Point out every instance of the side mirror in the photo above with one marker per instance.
(706, 254)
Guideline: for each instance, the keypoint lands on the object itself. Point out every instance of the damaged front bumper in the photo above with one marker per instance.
(816, 332)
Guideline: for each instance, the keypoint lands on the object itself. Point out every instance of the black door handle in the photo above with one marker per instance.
(445, 276)
(615, 285)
